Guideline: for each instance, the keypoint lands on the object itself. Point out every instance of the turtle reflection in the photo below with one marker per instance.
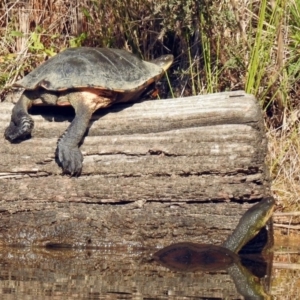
(189, 257)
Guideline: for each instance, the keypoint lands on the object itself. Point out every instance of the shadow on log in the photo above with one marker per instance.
(154, 173)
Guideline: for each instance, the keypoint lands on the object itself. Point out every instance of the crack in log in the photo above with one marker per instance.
(23, 174)
(46, 161)
(238, 175)
(160, 152)
(166, 203)
(149, 152)
(237, 96)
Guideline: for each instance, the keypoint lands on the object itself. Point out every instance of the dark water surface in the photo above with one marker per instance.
(122, 274)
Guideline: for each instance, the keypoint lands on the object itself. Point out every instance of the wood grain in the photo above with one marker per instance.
(154, 172)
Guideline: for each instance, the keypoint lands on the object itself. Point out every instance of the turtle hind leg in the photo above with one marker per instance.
(21, 123)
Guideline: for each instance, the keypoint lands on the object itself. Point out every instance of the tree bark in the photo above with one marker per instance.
(154, 173)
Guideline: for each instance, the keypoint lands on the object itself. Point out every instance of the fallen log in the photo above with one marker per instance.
(154, 173)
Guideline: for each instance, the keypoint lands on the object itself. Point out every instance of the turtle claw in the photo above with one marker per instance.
(70, 159)
(19, 130)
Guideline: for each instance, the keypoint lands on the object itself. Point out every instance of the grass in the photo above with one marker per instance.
(284, 162)
(218, 46)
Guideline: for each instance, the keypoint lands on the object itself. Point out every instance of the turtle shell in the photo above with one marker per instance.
(190, 257)
(100, 68)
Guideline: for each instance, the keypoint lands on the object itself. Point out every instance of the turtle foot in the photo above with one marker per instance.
(19, 129)
(70, 159)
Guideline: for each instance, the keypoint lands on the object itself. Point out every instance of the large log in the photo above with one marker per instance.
(154, 173)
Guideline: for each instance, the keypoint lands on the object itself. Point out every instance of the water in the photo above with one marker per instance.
(262, 270)
(123, 274)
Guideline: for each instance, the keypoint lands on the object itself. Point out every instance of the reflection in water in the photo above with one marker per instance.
(246, 283)
(186, 257)
(250, 236)
(191, 257)
(101, 274)
(41, 273)
(116, 274)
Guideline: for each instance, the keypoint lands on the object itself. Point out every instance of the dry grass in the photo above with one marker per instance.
(284, 163)
(33, 30)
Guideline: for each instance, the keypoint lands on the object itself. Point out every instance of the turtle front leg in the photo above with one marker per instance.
(68, 155)
(21, 123)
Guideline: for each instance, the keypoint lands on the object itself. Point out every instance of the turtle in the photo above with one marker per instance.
(88, 79)
(188, 256)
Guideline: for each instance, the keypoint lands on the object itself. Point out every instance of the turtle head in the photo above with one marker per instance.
(164, 61)
(259, 214)
(253, 220)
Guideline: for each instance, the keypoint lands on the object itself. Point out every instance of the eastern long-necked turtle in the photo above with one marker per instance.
(88, 79)
(193, 256)
(202, 257)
